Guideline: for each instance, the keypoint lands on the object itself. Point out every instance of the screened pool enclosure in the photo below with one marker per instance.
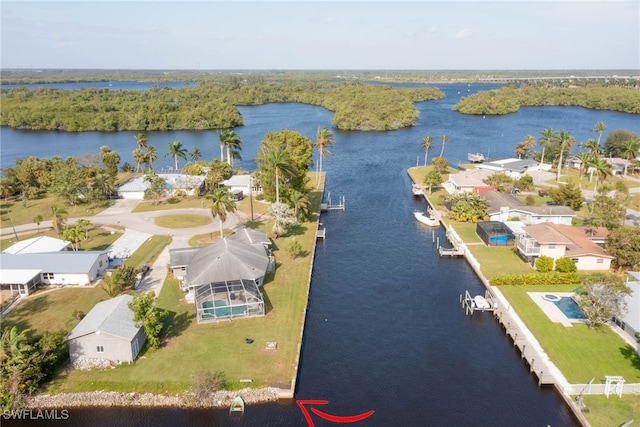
(228, 300)
(495, 233)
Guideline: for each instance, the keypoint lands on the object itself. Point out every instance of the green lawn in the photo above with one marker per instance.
(14, 212)
(182, 221)
(466, 231)
(148, 252)
(579, 352)
(612, 411)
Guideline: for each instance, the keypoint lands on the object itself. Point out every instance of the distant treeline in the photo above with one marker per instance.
(207, 106)
(509, 99)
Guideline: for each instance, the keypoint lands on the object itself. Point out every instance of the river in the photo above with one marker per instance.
(384, 329)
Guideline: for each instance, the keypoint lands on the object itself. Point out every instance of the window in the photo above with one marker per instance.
(552, 245)
(100, 349)
(600, 261)
(47, 276)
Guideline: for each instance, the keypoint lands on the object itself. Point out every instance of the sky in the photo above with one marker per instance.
(321, 35)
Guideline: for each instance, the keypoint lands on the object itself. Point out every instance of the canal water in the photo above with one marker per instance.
(384, 329)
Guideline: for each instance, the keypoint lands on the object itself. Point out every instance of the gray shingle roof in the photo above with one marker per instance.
(250, 236)
(227, 260)
(112, 317)
(51, 262)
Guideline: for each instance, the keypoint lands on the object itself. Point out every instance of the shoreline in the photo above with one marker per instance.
(106, 399)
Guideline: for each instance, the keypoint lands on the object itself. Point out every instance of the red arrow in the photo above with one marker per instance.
(329, 417)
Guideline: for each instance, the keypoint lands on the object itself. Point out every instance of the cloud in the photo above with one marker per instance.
(465, 33)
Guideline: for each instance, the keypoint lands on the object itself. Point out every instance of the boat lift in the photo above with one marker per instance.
(477, 303)
(329, 206)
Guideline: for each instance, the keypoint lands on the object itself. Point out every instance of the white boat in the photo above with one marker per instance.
(426, 219)
(476, 157)
(481, 303)
(417, 190)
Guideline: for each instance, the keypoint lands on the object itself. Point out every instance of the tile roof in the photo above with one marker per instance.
(576, 238)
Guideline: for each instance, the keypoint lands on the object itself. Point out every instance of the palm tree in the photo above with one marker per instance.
(104, 183)
(152, 156)
(229, 139)
(584, 158)
(594, 148)
(176, 150)
(280, 161)
(566, 142)
(73, 235)
(84, 225)
(549, 136)
(445, 138)
(221, 204)
(600, 127)
(299, 202)
(195, 154)
(601, 170)
(141, 140)
(139, 157)
(427, 142)
(629, 151)
(324, 139)
(57, 217)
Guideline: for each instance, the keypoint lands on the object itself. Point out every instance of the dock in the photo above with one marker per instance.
(473, 304)
(456, 249)
(329, 206)
(321, 233)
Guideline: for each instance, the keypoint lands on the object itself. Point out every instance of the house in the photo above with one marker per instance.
(106, 335)
(39, 244)
(22, 272)
(503, 207)
(558, 241)
(241, 183)
(469, 181)
(223, 279)
(629, 322)
(514, 168)
(175, 184)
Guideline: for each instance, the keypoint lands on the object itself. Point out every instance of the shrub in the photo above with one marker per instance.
(566, 265)
(294, 248)
(544, 264)
(173, 200)
(529, 200)
(78, 314)
(551, 278)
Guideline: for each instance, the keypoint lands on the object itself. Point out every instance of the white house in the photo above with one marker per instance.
(175, 183)
(469, 181)
(558, 241)
(241, 183)
(106, 335)
(503, 207)
(514, 168)
(39, 244)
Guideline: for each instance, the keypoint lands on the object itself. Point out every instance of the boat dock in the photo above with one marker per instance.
(477, 303)
(329, 206)
(321, 232)
(457, 248)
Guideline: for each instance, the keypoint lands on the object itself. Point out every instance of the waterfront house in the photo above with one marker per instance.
(469, 181)
(241, 183)
(629, 322)
(514, 168)
(106, 335)
(39, 244)
(503, 207)
(22, 272)
(175, 184)
(224, 278)
(558, 241)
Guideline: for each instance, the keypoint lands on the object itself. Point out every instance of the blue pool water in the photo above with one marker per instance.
(569, 307)
(502, 239)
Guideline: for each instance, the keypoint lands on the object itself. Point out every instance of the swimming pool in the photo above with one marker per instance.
(569, 308)
(501, 239)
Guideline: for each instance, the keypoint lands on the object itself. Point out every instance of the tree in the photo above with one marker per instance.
(138, 153)
(73, 235)
(324, 140)
(231, 141)
(600, 127)
(176, 151)
(624, 244)
(141, 141)
(427, 142)
(156, 187)
(467, 207)
(433, 178)
(84, 225)
(195, 154)
(147, 314)
(566, 265)
(104, 183)
(629, 151)
(567, 195)
(600, 168)
(282, 216)
(300, 204)
(113, 283)
(523, 148)
(603, 300)
(67, 181)
(139, 157)
(280, 162)
(613, 145)
(501, 181)
(549, 136)
(607, 211)
(544, 264)
(110, 159)
(584, 158)
(445, 138)
(566, 142)
(57, 217)
(19, 370)
(218, 172)
(441, 164)
(151, 156)
(221, 204)
(595, 150)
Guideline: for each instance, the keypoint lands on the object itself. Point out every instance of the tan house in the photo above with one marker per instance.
(106, 335)
(558, 241)
(469, 181)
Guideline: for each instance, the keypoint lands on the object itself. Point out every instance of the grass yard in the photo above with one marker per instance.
(579, 352)
(14, 212)
(499, 260)
(148, 252)
(182, 221)
(612, 411)
(467, 231)
(53, 310)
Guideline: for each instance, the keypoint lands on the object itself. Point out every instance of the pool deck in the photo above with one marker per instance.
(551, 310)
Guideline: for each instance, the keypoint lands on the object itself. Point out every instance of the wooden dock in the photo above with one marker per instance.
(321, 233)
(457, 248)
(329, 206)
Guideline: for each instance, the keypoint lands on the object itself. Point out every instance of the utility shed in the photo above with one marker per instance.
(107, 335)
